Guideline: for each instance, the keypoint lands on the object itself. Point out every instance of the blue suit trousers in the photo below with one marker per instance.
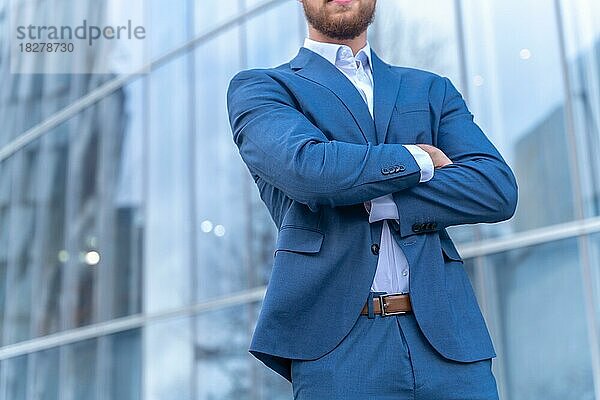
(385, 358)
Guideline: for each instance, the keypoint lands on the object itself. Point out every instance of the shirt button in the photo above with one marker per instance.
(404, 273)
(375, 248)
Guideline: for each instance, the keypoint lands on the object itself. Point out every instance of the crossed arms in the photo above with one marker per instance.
(281, 146)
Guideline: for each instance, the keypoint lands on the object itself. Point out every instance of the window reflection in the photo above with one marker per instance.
(168, 191)
(22, 249)
(125, 365)
(83, 376)
(14, 371)
(274, 37)
(4, 238)
(62, 209)
(168, 353)
(225, 370)
(45, 380)
(52, 211)
(582, 41)
(417, 34)
(537, 315)
(519, 103)
(210, 13)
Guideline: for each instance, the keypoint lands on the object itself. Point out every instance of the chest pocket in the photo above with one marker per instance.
(299, 240)
(410, 124)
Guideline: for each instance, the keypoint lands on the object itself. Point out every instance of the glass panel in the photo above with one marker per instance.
(537, 316)
(582, 37)
(594, 283)
(28, 99)
(211, 13)
(79, 376)
(82, 376)
(45, 380)
(102, 242)
(221, 190)
(417, 34)
(5, 193)
(51, 205)
(274, 37)
(516, 93)
(225, 369)
(169, 25)
(168, 360)
(74, 256)
(126, 365)
(123, 280)
(167, 244)
(22, 248)
(14, 378)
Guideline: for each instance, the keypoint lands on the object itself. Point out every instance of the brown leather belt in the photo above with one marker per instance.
(393, 304)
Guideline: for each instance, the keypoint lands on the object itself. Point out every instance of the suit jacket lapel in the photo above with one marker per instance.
(385, 93)
(312, 66)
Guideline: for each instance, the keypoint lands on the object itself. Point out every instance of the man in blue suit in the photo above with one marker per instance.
(362, 166)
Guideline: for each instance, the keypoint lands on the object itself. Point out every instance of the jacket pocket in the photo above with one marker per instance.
(449, 250)
(299, 239)
(410, 124)
(411, 107)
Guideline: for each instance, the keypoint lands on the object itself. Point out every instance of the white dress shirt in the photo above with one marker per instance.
(392, 267)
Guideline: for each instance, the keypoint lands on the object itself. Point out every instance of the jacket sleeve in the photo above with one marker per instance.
(280, 145)
(478, 187)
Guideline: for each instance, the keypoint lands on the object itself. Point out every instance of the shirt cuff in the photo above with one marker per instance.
(382, 208)
(423, 160)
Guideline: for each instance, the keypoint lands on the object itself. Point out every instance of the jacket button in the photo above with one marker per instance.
(417, 227)
(375, 248)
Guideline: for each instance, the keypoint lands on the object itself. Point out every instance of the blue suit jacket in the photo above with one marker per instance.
(316, 155)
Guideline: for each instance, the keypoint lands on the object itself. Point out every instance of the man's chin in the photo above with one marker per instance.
(340, 19)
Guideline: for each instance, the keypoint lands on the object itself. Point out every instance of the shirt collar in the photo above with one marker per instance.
(331, 51)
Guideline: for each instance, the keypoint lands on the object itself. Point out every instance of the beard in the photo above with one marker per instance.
(340, 27)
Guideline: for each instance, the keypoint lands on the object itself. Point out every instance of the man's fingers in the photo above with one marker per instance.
(439, 158)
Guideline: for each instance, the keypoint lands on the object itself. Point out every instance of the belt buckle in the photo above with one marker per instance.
(382, 306)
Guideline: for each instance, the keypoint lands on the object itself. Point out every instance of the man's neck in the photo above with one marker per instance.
(355, 44)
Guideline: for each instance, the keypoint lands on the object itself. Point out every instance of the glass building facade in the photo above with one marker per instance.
(134, 248)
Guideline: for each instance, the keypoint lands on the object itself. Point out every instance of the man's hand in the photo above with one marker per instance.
(437, 156)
